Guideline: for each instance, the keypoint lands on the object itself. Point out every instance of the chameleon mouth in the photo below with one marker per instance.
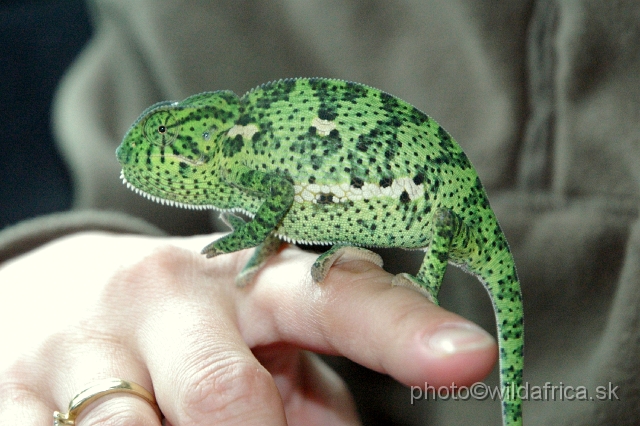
(161, 200)
(179, 204)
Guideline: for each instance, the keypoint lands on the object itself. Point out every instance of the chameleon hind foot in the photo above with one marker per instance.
(446, 226)
(411, 282)
(323, 263)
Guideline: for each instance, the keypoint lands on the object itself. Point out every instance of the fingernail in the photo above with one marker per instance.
(453, 338)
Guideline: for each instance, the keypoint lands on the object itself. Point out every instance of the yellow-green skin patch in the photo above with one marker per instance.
(331, 162)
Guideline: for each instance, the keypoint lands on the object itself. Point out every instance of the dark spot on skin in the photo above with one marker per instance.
(244, 120)
(326, 114)
(357, 182)
(362, 144)
(385, 182)
(233, 146)
(325, 198)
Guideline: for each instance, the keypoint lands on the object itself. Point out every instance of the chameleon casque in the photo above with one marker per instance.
(321, 161)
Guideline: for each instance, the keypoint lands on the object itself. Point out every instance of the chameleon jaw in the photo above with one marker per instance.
(179, 204)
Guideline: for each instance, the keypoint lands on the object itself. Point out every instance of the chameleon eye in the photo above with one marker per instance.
(161, 128)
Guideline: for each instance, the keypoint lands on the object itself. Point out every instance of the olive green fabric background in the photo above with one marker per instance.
(544, 97)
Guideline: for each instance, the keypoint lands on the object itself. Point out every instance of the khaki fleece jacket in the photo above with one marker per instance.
(544, 97)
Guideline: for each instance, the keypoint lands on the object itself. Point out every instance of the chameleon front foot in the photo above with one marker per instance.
(411, 282)
(323, 263)
(262, 253)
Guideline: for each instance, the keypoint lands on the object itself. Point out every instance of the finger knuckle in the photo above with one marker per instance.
(160, 262)
(229, 388)
(152, 279)
(15, 393)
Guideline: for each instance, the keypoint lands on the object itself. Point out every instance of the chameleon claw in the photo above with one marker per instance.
(323, 263)
(408, 281)
(211, 251)
(246, 276)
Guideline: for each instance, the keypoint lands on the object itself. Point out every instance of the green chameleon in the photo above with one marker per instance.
(320, 161)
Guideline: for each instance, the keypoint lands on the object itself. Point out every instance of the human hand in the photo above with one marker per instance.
(155, 312)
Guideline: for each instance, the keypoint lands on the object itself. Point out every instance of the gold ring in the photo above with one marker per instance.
(97, 390)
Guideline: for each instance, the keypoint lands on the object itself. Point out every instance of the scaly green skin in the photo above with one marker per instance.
(331, 162)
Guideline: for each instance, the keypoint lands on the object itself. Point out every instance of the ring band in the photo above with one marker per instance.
(97, 390)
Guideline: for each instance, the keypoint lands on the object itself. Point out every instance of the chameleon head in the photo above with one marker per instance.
(168, 154)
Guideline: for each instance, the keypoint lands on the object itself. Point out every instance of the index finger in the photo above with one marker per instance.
(356, 313)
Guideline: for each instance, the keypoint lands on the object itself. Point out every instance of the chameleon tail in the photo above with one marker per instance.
(501, 281)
